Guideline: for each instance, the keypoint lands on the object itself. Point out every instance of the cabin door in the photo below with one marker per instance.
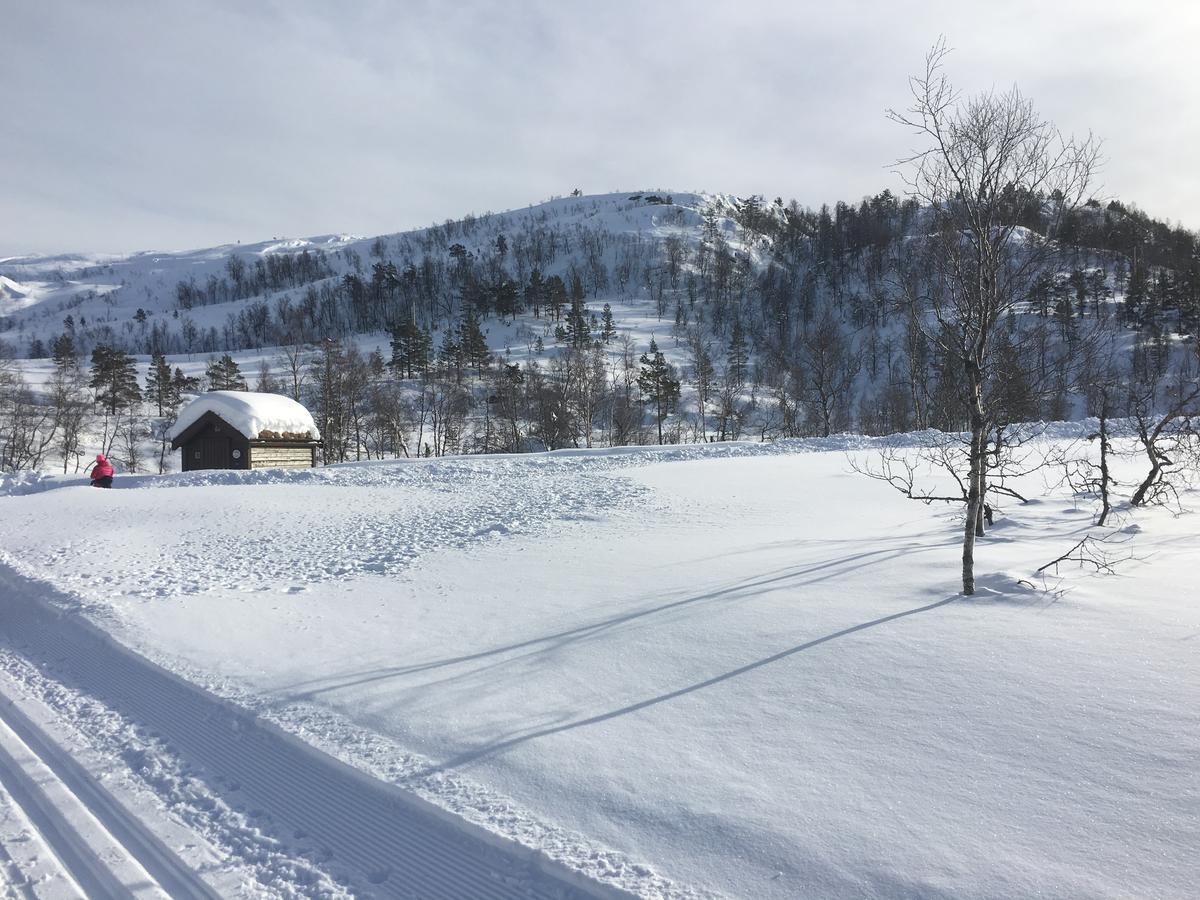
(214, 453)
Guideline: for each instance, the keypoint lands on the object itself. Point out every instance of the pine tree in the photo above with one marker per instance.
(224, 374)
(114, 379)
(1097, 288)
(1064, 314)
(556, 296)
(474, 345)
(1165, 295)
(62, 350)
(1016, 400)
(608, 329)
(658, 384)
(411, 346)
(1136, 295)
(738, 355)
(158, 382)
(1079, 284)
(535, 292)
(505, 297)
(181, 384)
(1041, 293)
(579, 331)
(450, 353)
(1189, 297)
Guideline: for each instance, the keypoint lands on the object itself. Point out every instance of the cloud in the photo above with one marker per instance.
(132, 124)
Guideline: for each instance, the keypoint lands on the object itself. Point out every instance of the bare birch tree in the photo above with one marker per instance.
(982, 155)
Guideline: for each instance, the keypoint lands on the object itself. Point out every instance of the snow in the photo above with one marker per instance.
(109, 289)
(16, 296)
(734, 670)
(11, 289)
(250, 412)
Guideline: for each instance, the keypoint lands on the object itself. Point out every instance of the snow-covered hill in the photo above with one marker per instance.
(533, 329)
(736, 669)
(105, 293)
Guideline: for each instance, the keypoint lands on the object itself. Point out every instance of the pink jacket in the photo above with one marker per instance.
(102, 469)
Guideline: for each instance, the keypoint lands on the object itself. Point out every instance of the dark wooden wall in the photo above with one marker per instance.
(214, 447)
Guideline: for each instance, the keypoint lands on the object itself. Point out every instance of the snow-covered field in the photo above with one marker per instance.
(734, 670)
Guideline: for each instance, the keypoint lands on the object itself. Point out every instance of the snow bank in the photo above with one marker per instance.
(250, 413)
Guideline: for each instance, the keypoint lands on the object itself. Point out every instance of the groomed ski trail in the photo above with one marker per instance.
(372, 837)
(106, 850)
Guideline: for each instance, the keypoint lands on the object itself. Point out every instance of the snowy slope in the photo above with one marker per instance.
(736, 669)
(109, 289)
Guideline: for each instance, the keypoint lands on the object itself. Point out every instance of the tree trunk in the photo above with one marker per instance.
(1105, 506)
(972, 517)
(1148, 438)
(1139, 496)
(975, 480)
(979, 515)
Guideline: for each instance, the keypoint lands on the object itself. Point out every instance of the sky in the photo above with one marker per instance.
(129, 125)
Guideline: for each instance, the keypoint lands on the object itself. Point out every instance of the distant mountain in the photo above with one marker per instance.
(779, 319)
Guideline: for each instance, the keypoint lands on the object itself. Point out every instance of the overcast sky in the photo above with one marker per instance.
(135, 125)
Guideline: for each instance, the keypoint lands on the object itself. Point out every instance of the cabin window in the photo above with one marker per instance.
(237, 454)
(197, 454)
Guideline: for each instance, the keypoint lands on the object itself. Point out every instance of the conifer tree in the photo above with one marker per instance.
(535, 292)
(505, 299)
(738, 355)
(411, 346)
(1041, 293)
(225, 374)
(62, 350)
(114, 379)
(474, 345)
(579, 331)
(181, 384)
(158, 382)
(1189, 297)
(556, 296)
(450, 354)
(608, 329)
(1135, 295)
(658, 384)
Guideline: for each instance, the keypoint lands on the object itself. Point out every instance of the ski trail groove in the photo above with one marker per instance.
(13, 883)
(73, 849)
(381, 840)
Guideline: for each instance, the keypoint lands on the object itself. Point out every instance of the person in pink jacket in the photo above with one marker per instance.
(102, 472)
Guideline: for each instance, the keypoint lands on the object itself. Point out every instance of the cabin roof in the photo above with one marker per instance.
(249, 413)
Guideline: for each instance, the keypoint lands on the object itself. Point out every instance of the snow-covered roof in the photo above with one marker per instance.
(250, 413)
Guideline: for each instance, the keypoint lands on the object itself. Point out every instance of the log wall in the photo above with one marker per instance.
(281, 458)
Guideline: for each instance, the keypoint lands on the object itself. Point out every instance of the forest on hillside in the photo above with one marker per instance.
(758, 319)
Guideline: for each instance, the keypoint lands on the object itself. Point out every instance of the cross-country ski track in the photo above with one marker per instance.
(106, 851)
(368, 837)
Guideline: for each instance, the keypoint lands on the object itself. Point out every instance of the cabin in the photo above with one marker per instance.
(245, 430)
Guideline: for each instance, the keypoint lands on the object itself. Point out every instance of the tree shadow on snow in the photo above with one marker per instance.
(500, 746)
(791, 577)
